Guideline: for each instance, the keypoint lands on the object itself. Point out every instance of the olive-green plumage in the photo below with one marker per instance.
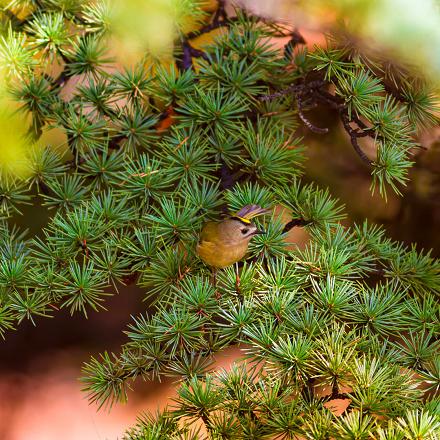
(224, 243)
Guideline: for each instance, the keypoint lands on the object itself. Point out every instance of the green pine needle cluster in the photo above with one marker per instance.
(154, 152)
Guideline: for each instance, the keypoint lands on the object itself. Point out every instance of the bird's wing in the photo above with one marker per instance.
(209, 232)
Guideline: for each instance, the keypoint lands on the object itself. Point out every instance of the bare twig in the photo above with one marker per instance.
(219, 19)
(314, 91)
(18, 21)
(291, 89)
(295, 40)
(354, 135)
(307, 123)
(295, 222)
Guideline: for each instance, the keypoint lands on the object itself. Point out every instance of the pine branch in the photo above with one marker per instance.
(13, 17)
(350, 308)
(189, 52)
(295, 40)
(219, 19)
(315, 92)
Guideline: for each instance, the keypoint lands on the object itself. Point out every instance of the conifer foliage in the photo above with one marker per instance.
(155, 151)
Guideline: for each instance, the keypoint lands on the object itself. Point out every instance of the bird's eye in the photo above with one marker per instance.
(244, 231)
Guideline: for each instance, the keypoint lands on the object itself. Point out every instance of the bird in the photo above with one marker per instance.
(226, 242)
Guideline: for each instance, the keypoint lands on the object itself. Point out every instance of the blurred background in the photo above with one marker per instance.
(40, 395)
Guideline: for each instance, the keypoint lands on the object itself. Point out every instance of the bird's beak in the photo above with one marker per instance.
(259, 231)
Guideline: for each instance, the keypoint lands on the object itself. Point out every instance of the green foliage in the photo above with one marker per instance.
(390, 107)
(351, 310)
(86, 56)
(16, 55)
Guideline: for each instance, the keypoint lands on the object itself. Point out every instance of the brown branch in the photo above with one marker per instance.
(313, 92)
(295, 222)
(295, 40)
(13, 18)
(307, 123)
(291, 89)
(354, 135)
(219, 19)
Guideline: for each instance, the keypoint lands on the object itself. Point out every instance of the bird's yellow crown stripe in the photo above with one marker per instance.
(244, 220)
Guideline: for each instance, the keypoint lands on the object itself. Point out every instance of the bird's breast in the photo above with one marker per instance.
(221, 254)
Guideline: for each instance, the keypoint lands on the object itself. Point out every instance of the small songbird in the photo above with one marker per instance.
(226, 242)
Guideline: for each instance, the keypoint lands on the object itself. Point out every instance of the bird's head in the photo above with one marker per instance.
(239, 227)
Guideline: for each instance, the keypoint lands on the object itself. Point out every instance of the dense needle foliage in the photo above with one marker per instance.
(155, 151)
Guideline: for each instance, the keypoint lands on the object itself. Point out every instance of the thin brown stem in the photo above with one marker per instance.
(354, 135)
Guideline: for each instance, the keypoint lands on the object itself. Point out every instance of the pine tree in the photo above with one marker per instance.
(157, 149)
